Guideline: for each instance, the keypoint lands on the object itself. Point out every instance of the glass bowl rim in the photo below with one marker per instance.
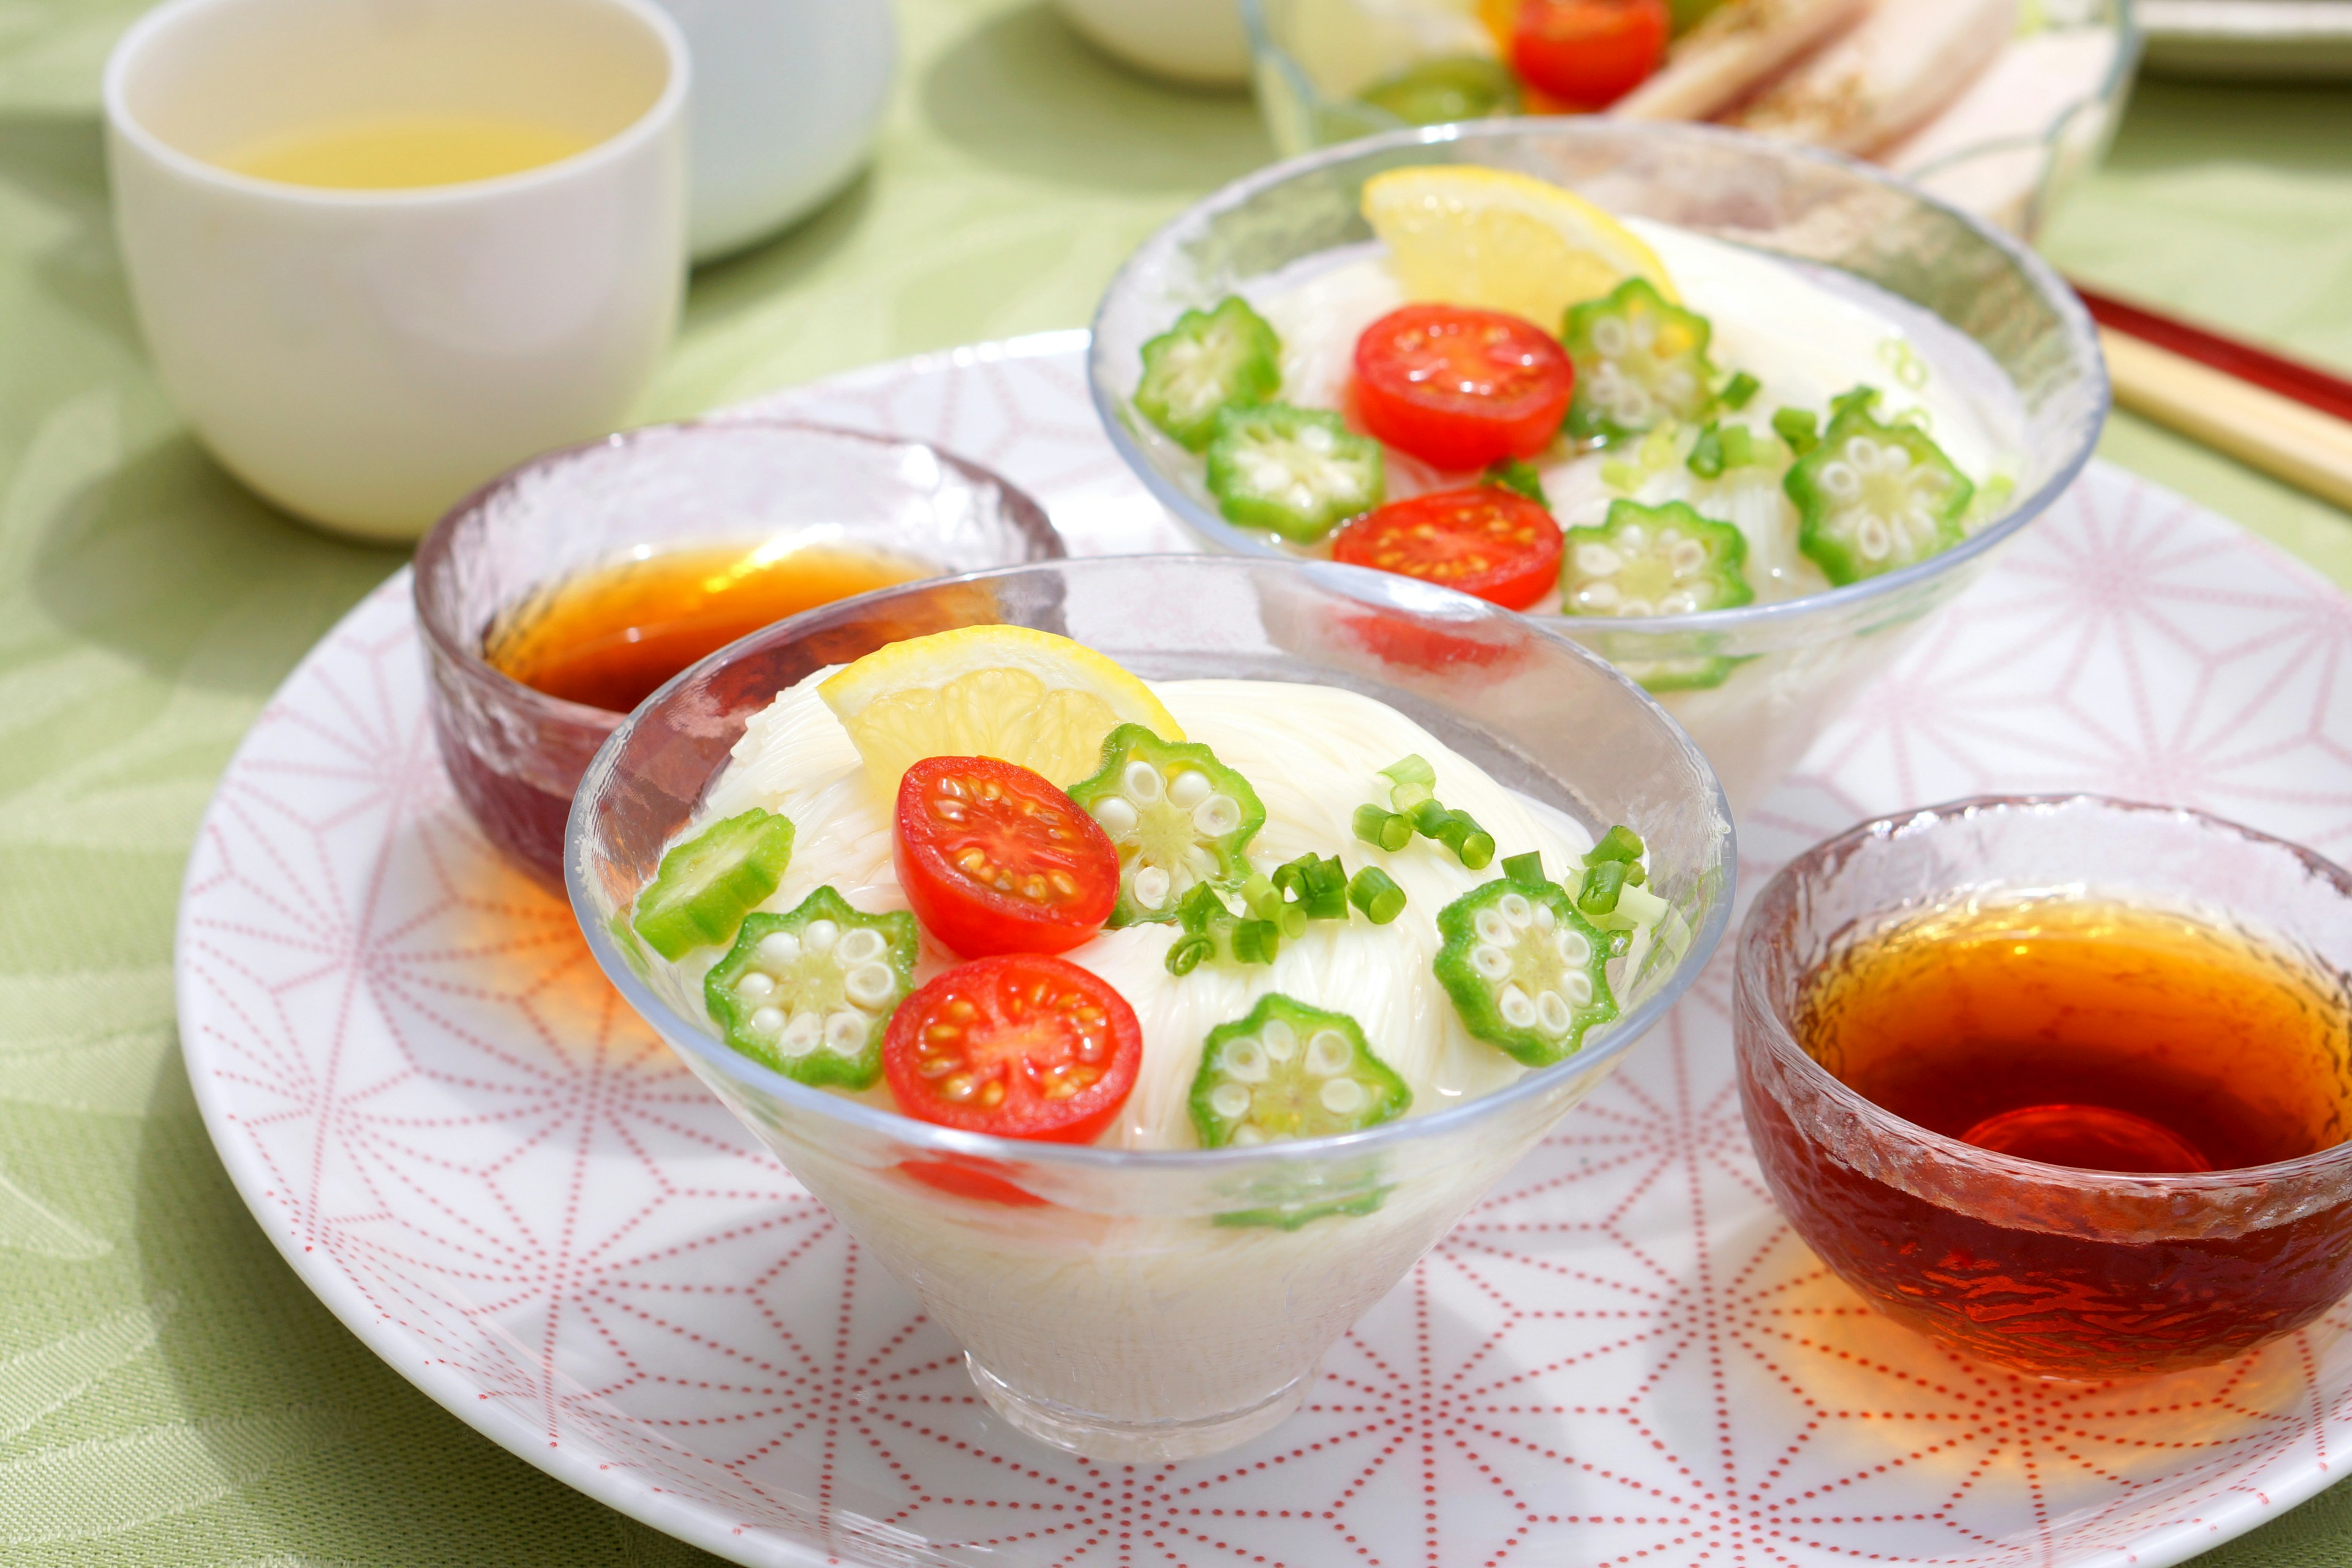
(1791, 1059)
(434, 552)
(2081, 336)
(682, 1034)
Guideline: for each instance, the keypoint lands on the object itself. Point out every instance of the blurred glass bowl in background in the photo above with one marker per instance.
(2024, 120)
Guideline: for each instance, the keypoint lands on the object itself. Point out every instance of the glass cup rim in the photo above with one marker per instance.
(2082, 337)
(667, 108)
(682, 1034)
(437, 551)
(1792, 1062)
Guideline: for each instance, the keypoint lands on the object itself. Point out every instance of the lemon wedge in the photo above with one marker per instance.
(1027, 697)
(1499, 241)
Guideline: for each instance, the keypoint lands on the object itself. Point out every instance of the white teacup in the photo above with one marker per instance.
(365, 357)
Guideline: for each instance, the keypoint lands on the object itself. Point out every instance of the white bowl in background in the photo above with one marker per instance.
(1198, 42)
(788, 95)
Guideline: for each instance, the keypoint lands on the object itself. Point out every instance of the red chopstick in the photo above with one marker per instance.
(2307, 384)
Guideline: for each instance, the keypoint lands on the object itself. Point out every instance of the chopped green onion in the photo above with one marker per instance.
(1375, 892)
(1412, 781)
(1797, 426)
(1325, 897)
(1621, 475)
(1620, 843)
(1855, 400)
(1200, 909)
(1429, 818)
(1738, 390)
(1603, 880)
(1257, 942)
(1738, 446)
(1185, 956)
(1525, 869)
(1705, 458)
(1519, 476)
(1387, 829)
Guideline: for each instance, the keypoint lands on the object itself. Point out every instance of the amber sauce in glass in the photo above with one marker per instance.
(610, 636)
(2086, 1034)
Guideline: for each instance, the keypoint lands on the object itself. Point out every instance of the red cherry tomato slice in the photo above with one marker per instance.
(1020, 1046)
(1588, 53)
(970, 1178)
(1461, 388)
(994, 859)
(1500, 546)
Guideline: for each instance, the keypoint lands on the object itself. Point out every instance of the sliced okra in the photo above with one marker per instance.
(1447, 88)
(1287, 1070)
(1224, 357)
(1527, 973)
(1653, 561)
(1177, 816)
(1640, 363)
(809, 993)
(707, 884)
(1874, 498)
(1296, 472)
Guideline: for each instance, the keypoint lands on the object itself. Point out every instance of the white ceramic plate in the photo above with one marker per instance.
(510, 1190)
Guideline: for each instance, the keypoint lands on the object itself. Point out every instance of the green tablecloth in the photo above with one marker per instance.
(148, 608)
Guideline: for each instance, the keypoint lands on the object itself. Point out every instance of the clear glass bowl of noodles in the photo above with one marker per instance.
(1159, 1305)
(1754, 685)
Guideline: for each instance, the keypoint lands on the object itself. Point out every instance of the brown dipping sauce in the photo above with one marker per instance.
(2094, 1035)
(610, 636)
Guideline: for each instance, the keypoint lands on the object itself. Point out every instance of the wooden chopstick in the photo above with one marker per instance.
(2306, 383)
(2289, 420)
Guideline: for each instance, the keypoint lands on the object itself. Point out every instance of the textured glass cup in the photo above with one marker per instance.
(1158, 1305)
(2052, 1270)
(1786, 667)
(515, 754)
(1315, 57)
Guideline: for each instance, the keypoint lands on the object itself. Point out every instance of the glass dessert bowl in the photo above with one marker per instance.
(1864, 309)
(1162, 1302)
(2121, 1044)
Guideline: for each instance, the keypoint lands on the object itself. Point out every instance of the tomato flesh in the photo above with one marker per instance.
(1500, 546)
(1461, 388)
(1588, 53)
(1019, 1046)
(994, 858)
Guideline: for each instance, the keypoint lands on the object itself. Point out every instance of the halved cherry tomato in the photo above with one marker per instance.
(1020, 1046)
(1500, 546)
(1461, 388)
(994, 859)
(1588, 53)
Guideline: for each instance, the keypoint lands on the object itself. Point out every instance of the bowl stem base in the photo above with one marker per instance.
(1134, 1442)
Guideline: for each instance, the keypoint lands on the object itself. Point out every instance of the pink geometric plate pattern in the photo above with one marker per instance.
(501, 1181)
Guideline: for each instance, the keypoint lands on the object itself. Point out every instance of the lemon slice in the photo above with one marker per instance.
(1499, 241)
(1027, 697)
